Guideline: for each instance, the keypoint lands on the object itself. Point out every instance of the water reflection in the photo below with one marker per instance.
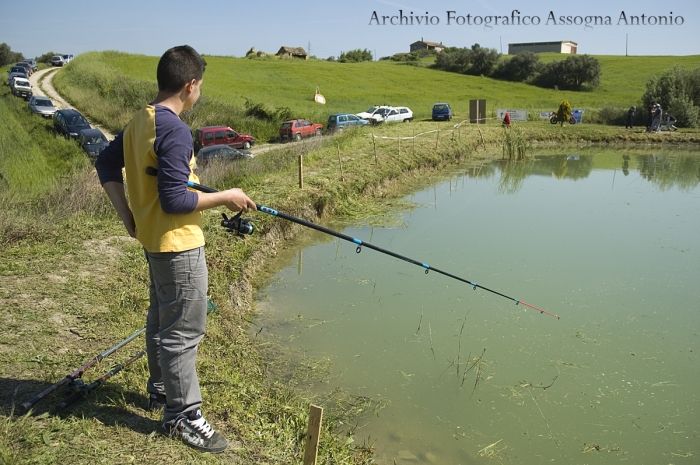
(666, 172)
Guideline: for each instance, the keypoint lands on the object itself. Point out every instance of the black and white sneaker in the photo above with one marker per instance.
(195, 432)
(156, 402)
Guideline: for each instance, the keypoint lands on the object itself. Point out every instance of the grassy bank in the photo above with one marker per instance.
(73, 284)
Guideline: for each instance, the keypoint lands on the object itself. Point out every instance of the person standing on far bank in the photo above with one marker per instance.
(166, 218)
(630, 117)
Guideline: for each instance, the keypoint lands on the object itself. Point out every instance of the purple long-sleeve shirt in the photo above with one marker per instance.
(173, 147)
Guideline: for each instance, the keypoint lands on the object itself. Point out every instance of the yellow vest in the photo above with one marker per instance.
(156, 230)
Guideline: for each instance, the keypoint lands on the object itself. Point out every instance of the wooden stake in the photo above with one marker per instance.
(301, 171)
(374, 143)
(399, 145)
(313, 435)
(342, 178)
(437, 139)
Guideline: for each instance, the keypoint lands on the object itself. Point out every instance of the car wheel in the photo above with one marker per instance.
(297, 137)
(318, 133)
(246, 145)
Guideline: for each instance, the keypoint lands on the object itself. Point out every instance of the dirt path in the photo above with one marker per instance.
(42, 84)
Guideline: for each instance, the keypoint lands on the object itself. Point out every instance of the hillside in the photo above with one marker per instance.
(353, 87)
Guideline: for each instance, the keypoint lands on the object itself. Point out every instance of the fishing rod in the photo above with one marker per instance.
(84, 390)
(244, 226)
(79, 372)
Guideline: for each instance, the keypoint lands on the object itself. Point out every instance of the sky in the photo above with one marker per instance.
(329, 27)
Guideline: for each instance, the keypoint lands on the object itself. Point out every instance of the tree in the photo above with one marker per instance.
(355, 56)
(456, 60)
(678, 92)
(564, 112)
(483, 60)
(7, 56)
(570, 74)
(46, 58)
(520, 68)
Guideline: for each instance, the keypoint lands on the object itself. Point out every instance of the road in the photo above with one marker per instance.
(46, 89)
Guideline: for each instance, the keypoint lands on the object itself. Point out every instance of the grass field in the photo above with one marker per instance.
(354, 87)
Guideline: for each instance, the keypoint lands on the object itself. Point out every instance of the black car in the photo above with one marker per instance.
(92, 141)
(69, 123)
(221, 152)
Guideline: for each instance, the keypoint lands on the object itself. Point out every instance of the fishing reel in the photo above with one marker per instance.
(237, 225)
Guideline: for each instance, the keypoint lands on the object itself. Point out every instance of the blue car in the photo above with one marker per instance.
(442, 111)
(69, 123)
(339, 121)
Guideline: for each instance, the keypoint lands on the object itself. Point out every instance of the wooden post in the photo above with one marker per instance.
(301, 171)
(399, 145)
(374, 143)
(313, 435)
(437, 139)
(414, 142)
(342, 178)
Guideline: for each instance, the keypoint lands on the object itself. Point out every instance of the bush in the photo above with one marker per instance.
(477, 61)
(678, 93)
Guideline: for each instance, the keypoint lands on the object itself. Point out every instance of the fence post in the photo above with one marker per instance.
(313, 435)
(301, 171)
(342, 178)
(374, 143)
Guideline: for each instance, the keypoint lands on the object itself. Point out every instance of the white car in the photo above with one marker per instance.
(387, 114)
(21, 87)
(399, 115)
(375, 114)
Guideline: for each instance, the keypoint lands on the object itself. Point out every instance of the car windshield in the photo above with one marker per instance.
(42, 103)
(21, 82)
(372, 110)
(98, 139)
(286, 125)
(77, 120)
(440, 107)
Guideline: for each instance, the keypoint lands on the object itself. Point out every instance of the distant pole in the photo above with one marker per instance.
(626, 37)
(501, 41)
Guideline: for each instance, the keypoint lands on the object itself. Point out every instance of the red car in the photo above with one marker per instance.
(221, 135)
(295, 129)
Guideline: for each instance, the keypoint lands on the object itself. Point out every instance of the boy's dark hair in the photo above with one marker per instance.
(178, 66)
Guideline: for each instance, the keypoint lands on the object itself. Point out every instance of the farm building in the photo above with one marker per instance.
(562, 46)
(293, 52)
(423, 45)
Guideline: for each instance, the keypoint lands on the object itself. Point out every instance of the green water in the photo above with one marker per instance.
(611, 245)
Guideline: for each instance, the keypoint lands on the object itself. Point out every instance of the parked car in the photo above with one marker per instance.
(41, 106)
(218, 135)
(398, 115)
(16, 71)
(66, 59)
(92, 141)
(220, 152)
(295, 129)
(375, 114)
(69, 123)
(57, 60)
(26, 66)
(442, 111)
(32, 62)
(21, 87)
(340, 121)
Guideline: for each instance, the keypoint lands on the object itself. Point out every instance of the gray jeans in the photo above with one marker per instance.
(175, 324)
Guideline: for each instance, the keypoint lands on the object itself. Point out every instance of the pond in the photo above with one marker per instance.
(607, 240)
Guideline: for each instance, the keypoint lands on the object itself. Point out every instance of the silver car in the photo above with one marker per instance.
(41, 106)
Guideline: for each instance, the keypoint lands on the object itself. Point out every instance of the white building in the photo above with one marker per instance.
(563, 46)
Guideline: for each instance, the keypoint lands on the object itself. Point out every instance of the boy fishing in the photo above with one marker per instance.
(166, 217)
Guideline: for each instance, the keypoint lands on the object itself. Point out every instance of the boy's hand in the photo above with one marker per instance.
(236, 200)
